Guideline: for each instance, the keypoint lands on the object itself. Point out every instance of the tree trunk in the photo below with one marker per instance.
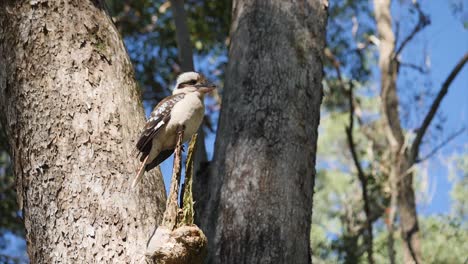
(408, 216)
(260, 190)
(72, 112)
(399, 176)
(184, 45)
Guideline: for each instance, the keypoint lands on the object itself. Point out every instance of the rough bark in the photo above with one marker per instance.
(72, 111)
(260, 190)
(399, 176)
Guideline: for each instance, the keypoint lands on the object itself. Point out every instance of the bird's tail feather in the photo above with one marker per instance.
(140, 173)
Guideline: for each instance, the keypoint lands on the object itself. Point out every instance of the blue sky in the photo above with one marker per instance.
(446, 42)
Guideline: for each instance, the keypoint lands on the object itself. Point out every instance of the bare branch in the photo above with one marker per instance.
(361, 175)
(171, 215)
(414, 67)
(434, 107)
(423, 21)
(336, 64)
(187, 197)
(397, 31)
(441, 145)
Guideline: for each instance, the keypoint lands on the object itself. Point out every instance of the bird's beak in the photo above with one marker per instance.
(207, 87)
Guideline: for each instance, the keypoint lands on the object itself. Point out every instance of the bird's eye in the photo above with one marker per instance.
(187, 83)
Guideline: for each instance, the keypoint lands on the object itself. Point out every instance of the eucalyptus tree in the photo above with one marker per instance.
(71, 109)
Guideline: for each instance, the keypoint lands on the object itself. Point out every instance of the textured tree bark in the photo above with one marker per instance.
(72, 111)
(400, 177)
(260, 190)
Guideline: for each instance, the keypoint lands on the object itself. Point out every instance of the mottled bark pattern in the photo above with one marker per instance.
(400, 176)
(261, 186)
(71, 108)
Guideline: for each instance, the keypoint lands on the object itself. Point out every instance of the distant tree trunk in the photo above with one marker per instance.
(400, 176)
(72, 112)
(182, 35)
(260, 190)
(186, 63)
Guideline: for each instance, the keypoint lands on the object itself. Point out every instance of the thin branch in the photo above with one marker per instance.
(361, 175)
(434, 107)
(397, 31)
(170, 217)
(414, 67)
(441, 145)
(423, 21)
(187, 197)
(336, 64)
(351, 143)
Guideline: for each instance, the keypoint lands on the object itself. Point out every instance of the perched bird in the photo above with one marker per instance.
(183, 110)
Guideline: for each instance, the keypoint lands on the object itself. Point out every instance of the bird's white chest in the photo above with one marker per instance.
(188, 112)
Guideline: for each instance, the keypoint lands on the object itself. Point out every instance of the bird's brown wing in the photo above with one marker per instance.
(157, 120)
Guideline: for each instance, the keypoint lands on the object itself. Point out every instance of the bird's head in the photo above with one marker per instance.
(191, 82)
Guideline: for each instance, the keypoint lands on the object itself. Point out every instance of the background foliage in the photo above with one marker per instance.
(338, 218)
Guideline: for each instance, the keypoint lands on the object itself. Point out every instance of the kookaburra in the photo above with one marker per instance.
(183, 110)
